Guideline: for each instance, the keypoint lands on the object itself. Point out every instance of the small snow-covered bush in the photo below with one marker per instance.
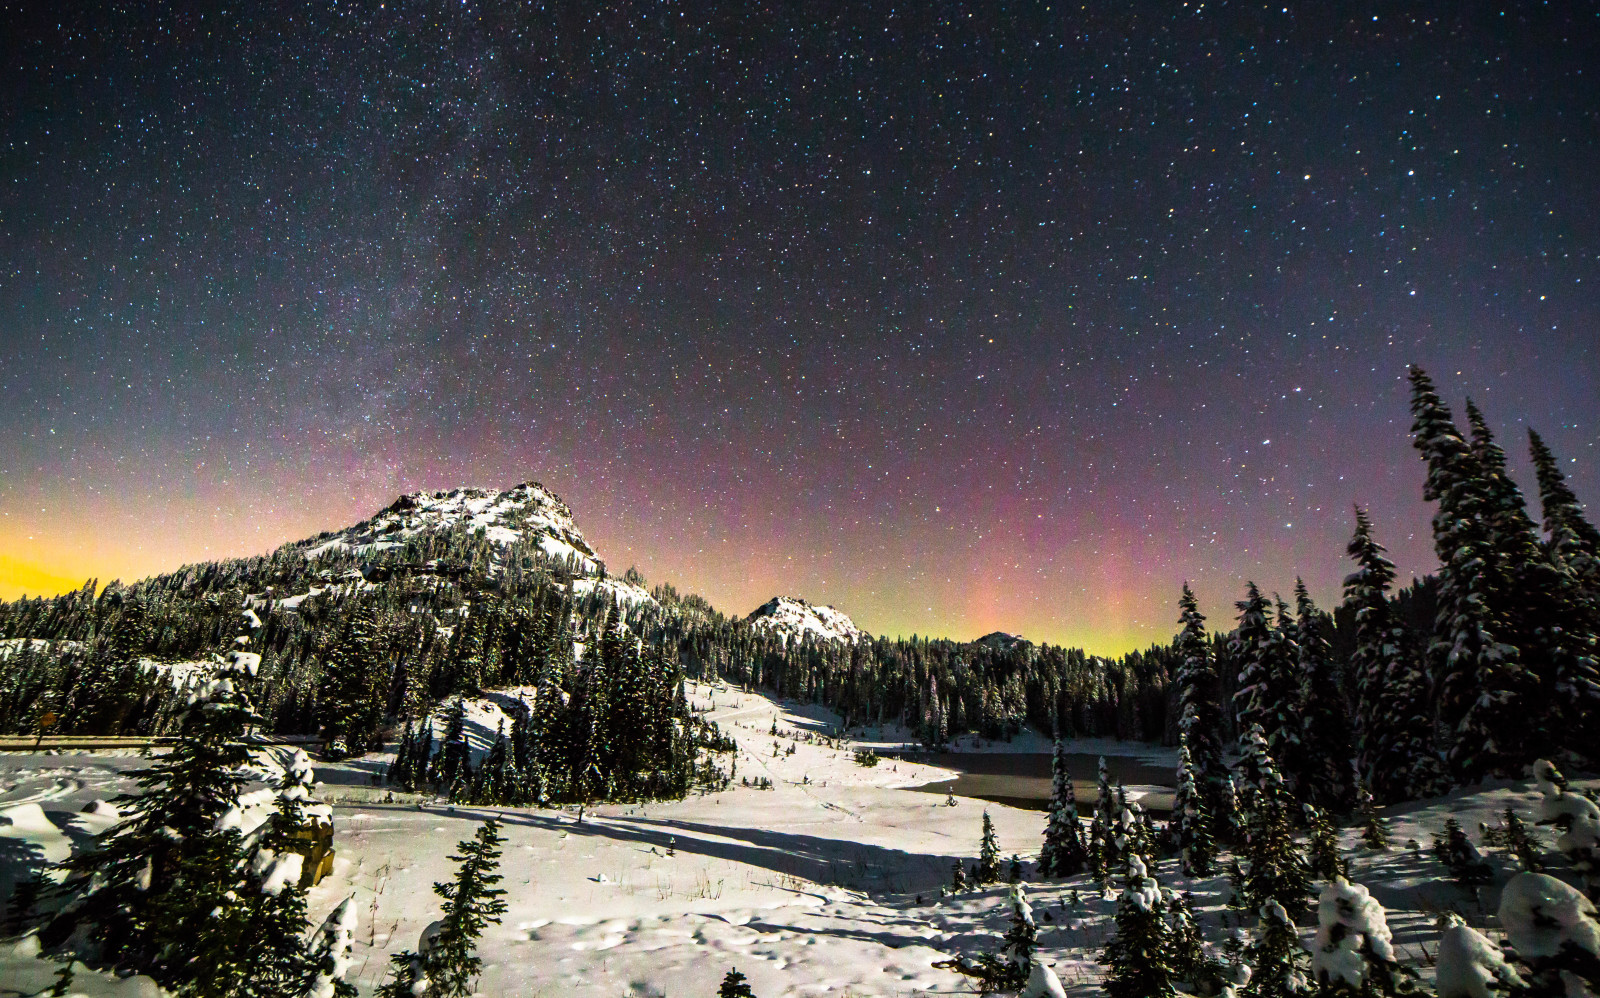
(1553, 929)
(1469, 965)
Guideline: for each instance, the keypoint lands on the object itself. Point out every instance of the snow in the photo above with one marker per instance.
(10, 646)
(793, 619)
(528, 512)
(622, 593)
(827, 884)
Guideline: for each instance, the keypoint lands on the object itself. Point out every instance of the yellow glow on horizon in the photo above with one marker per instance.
(21, 578)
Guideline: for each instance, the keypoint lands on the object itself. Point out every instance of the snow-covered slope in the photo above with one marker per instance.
(792, 618)
(528, 512)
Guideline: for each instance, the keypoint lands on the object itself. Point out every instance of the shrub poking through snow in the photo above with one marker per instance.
(1576, 820)
(958, 878)
(1139, 959)
(1042, 983)
(1513, 835)
(1553, 930)
(1470, 966)
(1374, 830)
(330, 953)
(1354, 951)
(1460, 856)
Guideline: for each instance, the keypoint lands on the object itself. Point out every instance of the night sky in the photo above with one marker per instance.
(956, 316)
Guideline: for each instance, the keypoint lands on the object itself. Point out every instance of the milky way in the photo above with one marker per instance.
(956, 316)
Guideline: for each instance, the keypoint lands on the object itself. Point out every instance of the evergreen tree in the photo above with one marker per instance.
(330, 953)
(958, 878)
(471, 903)
(1063, 853)
(1326, 776)
(1186, 949)
(734, 985)
(146, 892)
(1268, 693)
(1200, 713)
(1139, 958)
(1190, 819)
(455, 756)
(1573, 541)
(1374, 830)
(1477, 676)
(1103, 831)
(1277, 960)
(1275, 870)
(988, 854)
(1323, 857)
(1393, 719)
(1008, 970)
(349, 714)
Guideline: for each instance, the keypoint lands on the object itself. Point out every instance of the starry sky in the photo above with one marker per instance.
(957, 316)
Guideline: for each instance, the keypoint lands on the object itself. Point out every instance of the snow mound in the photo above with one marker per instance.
(528, 512)
(794, 619)
(1543, 917)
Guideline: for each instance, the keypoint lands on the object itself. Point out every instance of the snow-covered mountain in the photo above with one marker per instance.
(793, 618)
(528, 512)
(1001, 641)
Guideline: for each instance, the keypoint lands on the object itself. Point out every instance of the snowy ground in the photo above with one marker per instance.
(827, 884)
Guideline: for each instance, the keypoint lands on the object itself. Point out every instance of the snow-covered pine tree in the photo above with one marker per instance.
(1515, 838)
(1394, 726)
(1555, 933)
(1577, 822)
(1269, 690)
(471, 903)
(1477, 675)
(1186, 948)
(1353, 954)
(1323, 857)
(455, 755)
(1468, 965)
(1106, 816)
(348, 712)
(1573, 541)
(146, 892)
(1200, 713)
(1276, 959)
(1541, 600)
(988, 853)
(1191, 821)
(1139, 958)
(1009, 969)
(1327, 775)
(1276, 871)
(1063, 853)
(329, 956)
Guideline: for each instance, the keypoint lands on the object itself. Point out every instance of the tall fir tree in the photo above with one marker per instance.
(988, 853)
(349, 714)
(1200, 712)
(1191, 819)
(1327, 774)
(471, 903)
(1139, 958)
(1275, 871)
(1268, 691)
(1277, 961)
(1064, 853)
(1394, 751)
(1477, 676)
(1574, 542)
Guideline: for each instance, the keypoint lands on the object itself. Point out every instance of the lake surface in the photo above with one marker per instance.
(1022, 779)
